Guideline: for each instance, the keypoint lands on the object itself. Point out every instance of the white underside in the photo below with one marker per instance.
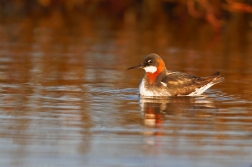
(199, 91)
(144, 92)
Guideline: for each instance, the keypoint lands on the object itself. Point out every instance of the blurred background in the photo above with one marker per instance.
(196, 24)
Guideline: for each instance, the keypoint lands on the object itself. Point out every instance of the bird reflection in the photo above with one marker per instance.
(156, 109)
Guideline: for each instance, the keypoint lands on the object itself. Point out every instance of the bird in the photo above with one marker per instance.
(158, 81)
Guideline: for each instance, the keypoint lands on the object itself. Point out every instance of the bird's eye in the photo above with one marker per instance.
(149, 61)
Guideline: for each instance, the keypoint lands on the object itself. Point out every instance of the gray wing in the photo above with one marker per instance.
(183, 84)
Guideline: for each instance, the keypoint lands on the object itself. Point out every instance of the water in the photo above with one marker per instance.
(67, 99)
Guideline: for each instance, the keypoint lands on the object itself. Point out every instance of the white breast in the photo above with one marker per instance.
(158, 92)
(143, 91)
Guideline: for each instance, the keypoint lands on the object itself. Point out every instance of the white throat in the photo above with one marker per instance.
(150, 69)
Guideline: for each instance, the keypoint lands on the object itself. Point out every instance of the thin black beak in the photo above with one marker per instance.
(138, 66)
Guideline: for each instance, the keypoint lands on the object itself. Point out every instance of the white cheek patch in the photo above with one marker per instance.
(150, 69)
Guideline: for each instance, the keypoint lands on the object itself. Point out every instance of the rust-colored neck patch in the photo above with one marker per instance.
(151, 77)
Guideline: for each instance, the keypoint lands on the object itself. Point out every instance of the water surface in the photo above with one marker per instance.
(68, 100)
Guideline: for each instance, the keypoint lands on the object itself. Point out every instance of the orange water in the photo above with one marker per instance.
(67, 99)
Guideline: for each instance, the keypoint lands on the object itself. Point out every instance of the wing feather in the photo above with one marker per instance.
(183, 84)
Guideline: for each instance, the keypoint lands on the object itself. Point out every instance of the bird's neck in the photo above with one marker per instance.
(152, 77)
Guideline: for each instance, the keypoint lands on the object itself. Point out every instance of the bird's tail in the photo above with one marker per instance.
(217, 78)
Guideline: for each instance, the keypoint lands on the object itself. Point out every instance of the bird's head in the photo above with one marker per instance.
(153, 66)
